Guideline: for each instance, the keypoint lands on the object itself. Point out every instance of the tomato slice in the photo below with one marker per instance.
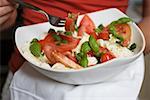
(70, 56)
(46, 40)
(63, 47)
(104, 34)
(69, 25)
(106, 57)
(103, 50)
(88, 26)
(124, 30)
(70, 22)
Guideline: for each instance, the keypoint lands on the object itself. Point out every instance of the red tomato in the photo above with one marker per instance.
(125, 43)
(70, 56)
(104, 34)
(70, 22)
(90, 54)
(48, 52)
(124, 30)
(103, 50)
(88, 26)
(106, 57)
(49, 40)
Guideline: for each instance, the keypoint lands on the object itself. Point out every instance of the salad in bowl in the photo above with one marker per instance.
(85, 45)
(90, 48)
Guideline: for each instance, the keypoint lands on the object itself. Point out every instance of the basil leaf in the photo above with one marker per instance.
(132, 47)
(112, 30)
(122, 20)
(34, 40)
(51, 30)
(68, 33)
(99, 29)
(35, 49)
(84, 61)
(56, 37)
(93, 44)
(64, 41)
(85, 47)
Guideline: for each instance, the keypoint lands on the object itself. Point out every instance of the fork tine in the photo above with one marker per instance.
(60, 25)
(53, 20)
(62, 21)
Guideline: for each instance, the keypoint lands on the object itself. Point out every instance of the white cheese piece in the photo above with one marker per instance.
(115, 48)
(113, 39)
(59, 66)
(92, 61)
(44, 59)
(84, 38)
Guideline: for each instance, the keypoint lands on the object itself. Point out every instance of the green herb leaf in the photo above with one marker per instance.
(122, 20)
(68, 33)
(70, 15)
(64, 41)
(58, 43)
(93, 44)
(99, 54)
(85, 47)
(101, 26)
(99, 29)
(34, 40)
(132, 47)
(76, 28)
(84, 61)
(112, 30)
(59, 31)
(35, 49)
(56, 37)
(51, 30)
(78, 57)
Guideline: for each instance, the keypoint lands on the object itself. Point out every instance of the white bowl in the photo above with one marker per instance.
(98, 73)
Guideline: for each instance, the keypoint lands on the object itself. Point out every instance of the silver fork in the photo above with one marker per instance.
(53, 20)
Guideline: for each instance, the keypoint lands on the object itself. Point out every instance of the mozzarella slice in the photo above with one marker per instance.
(59, 66)
(92, 61)
(115, 48)
(84, 38)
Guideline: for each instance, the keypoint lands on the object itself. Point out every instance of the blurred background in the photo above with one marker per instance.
(7, 40)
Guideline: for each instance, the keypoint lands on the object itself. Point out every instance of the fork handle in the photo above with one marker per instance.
(27, 5)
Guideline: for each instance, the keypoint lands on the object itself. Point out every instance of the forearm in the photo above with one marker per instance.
(146, 8)
(145, 23)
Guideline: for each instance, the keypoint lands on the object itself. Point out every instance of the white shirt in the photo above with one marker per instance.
(29, 84)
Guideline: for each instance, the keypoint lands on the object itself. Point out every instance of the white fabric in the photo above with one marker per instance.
(145, 91)
(28, 84)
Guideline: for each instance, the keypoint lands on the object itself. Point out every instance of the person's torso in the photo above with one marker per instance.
(62, 7)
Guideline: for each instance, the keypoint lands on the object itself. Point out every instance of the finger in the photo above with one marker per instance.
(4, 2)
(6, 9)
(10, 21)
(12, 2)
(7, 2)
(4, 18)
